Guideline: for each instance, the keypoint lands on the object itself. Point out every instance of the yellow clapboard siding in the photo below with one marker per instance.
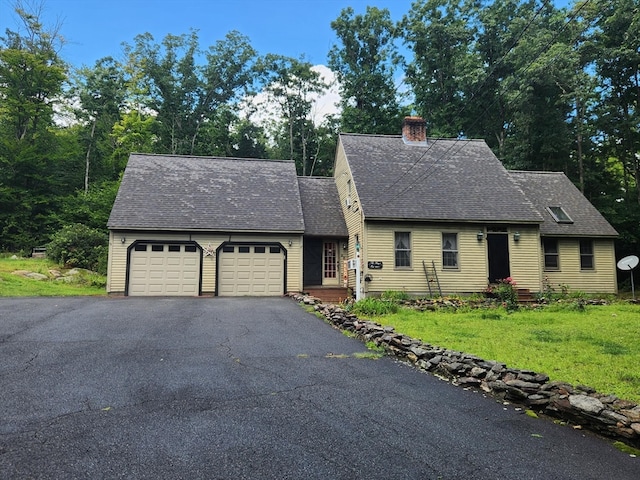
(602, 279)
(524, 258)
(426, 244)
(353, 214)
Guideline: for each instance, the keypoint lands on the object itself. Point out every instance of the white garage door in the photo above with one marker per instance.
(251, 270)
(164, 269)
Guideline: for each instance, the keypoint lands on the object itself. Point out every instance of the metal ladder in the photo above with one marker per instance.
(432, 277)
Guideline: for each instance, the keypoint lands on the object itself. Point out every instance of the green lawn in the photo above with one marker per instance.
(12, 285)
(599, 346)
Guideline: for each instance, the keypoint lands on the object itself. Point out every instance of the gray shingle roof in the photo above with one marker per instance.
(168, 192)
(551, 189)
(446, 180)
(321, 207)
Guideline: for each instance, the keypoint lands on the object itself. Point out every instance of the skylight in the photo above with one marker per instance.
(559, 215)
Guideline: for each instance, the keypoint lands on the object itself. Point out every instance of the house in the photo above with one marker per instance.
(421, 215)
(446, 216)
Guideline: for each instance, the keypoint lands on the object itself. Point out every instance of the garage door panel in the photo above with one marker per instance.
(167, 269)
(253, 270)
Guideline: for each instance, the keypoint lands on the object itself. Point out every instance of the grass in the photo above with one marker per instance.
(598, 346)
(18, 286)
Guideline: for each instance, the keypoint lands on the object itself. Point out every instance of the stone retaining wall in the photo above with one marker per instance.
(580, 405)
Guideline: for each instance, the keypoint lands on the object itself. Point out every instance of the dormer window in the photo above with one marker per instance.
(559, 215)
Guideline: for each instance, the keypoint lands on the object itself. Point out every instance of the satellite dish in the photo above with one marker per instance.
(628, 263)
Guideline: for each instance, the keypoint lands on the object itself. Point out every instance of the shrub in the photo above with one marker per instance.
(374, 306)
(507, 293)
(394, 296)
(78, 246)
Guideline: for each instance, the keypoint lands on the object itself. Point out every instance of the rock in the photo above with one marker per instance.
(537, 400)
(468, 381)
(613, 418)
(515, 394)
(521, 385)
(418, 351)
(32, 275)
(635, 427)
(632, 414)
(586, 404)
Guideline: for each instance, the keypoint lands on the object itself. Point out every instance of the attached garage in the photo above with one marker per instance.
(206, 226)
(251, 270)
(158, 268)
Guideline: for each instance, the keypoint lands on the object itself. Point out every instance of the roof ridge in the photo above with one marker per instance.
(537, 171)
(211, 157)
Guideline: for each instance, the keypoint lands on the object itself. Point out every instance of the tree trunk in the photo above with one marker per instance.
(579, 116)
(87, 160)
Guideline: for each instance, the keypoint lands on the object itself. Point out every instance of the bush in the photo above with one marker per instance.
(374, 306)
(78, 246)
(395, 296)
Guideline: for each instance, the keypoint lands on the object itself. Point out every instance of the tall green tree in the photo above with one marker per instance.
(292, 84)
(365, 65)
(617, 62)
(31, 159)
(186, 95)
(101, 91)
(438, 34)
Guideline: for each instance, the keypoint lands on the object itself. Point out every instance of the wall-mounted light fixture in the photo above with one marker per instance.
(290, 242)
(516, 237)
(480, 235)
(345, 245)
(123, 239)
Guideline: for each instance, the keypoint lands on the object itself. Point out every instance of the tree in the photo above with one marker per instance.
(617, 61)
(185, 95)
(101, 92)
(441, 39)
(292, 84)
(365, 65)
(31, 161)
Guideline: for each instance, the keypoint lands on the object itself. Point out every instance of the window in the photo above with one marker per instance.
(228, 249)
(559, 215)
(157, 248)
(586, 255)
(141, 247)
(551, 254)
(244, 250)
(190, 248)
(258, 249)
(449, 250)
(403, 249)
(274, 249)
(174, 248)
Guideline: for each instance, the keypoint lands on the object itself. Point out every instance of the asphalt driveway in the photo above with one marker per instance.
(231, 388)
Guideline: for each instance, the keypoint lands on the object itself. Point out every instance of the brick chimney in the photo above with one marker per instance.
(414, 130)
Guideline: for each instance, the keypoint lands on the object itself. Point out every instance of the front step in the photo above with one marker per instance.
(328, 294)
(525, 296)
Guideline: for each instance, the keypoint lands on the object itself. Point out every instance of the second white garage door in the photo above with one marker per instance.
(251, 270)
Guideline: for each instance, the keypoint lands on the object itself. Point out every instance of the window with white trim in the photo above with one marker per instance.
(449, 250)
(403, 249)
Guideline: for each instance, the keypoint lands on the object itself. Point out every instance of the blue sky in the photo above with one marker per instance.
(97, 28)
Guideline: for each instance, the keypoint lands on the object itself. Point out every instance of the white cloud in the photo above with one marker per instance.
(263, 109)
